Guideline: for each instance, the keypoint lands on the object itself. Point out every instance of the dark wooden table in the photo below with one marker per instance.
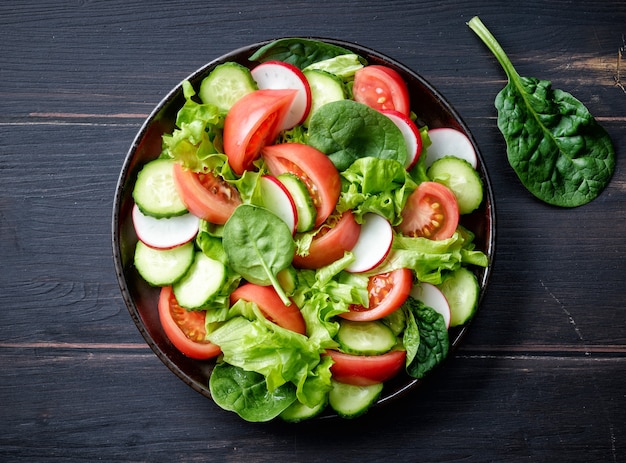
(542, 373)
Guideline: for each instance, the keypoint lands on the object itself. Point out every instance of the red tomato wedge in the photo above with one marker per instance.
(253, 122)
(430, 212)
(185, 328)
(313, 167)
(381, 88)
(205, 195)
(363, 370)
(335, 237)
(266, 298)
(387, 292)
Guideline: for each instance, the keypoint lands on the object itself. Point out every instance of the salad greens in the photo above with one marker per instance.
(346, 131)
(246, 393)
(265, 369)
(299, 52)
(372, 184)
(426, 338)
(258, 245)
(558, 150)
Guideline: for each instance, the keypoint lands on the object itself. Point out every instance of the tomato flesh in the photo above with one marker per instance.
(381, 88)
(185, 328)
(431, 212)
(364, 370)
(334, 238)
(205, 195)
(387, 292)
(313, 167)
(253, 122)
(270, 303)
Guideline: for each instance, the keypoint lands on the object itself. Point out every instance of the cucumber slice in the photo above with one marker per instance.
(225, 84)
(302, 199)
(325, 87)
(464, 181)
(287, 279)
(163, 267)
(365, 338)
(350, 401)
(203, 279)
(297, 412)
(461, 290)
(155, 190)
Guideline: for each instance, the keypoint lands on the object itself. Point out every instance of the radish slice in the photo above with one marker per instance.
(450, 142)
(432, 297)
(165, 233)
(277, 199)
(278, 75)
(373, 245)
(411, 135)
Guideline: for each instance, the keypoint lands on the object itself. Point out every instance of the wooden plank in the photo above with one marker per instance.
(545, 407)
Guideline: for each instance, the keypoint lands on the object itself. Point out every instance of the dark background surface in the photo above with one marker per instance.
(541, 375)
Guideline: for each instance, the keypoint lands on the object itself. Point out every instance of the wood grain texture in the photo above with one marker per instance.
(540, 376)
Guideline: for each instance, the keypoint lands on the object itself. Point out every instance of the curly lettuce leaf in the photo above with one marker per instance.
(251, 342)
(198, 135)
(381, 186)
(430, 259)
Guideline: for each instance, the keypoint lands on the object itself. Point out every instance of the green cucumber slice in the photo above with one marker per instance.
(350, 401)
(163, 267)
(302, 199)
(201, 282)
(462, 290)
(297, 412)
(225, 84)
(155, 190)
(464, 181)
(325, 87)
(365, 338)
(288, 280)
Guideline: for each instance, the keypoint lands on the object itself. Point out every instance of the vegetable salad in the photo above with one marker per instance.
(308, 245)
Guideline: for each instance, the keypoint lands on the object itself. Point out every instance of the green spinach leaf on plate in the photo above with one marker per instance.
(297, 51)
(346, 131)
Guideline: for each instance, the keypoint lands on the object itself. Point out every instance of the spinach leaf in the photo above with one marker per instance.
(558, 150)
(425, 338)
(258, 245)
(298, 51)
(246, 393)
(346, 131)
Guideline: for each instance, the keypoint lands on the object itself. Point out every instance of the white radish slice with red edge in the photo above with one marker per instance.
(432, 297)
(446, 141)
(277, 199)
(411, 135)
(373, 244)
(164, 233)
(279, 75)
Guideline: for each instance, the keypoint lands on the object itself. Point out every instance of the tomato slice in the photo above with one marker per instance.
(185, 328)
(338, 235)
(205, 195)
(363, 370)
(270, 303)
(387, 292)
(253, 122)
(431, 212)
(313, 167)
(381, 88)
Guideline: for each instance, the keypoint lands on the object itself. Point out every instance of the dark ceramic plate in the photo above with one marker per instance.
(141, 299)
